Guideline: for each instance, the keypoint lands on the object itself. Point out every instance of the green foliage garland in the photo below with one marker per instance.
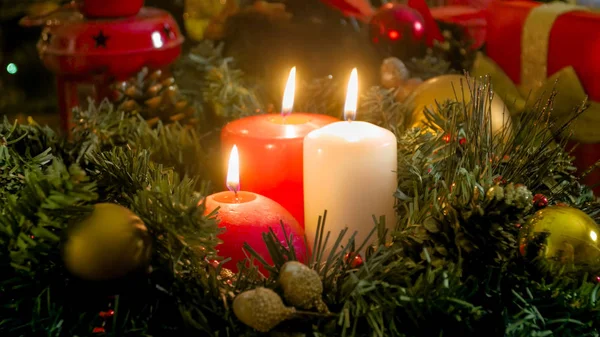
(453, 268)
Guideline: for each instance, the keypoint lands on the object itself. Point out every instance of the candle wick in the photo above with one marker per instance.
(233, 187)
(349, 116)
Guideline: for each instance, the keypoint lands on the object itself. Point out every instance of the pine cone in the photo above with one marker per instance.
(261, 309)
(156, 97)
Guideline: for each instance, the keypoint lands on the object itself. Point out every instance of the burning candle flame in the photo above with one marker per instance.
(351, 97)
(288, 94)
(233, 171)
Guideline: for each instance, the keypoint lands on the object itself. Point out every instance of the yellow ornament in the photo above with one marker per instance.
(200, 14)
(448, 87)
(562, 236)
(42, 8)
(110, 243)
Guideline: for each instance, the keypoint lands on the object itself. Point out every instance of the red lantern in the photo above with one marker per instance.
(104, 47)
(110, 8)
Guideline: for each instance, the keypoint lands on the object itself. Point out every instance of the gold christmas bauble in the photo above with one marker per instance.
(562, 237)
(110, 243)
(448, 87)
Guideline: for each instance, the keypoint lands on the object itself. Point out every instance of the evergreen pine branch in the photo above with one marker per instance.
(22, 147)
(380, 106)
(34, 219)
(463, 190)
(223, 91)
(181, 148)
(102, 127)
(31, 228)
(553, 309)
(159, 196)
(173, 213)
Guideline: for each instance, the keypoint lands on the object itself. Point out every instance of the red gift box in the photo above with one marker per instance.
(473, 20)
(574, 41)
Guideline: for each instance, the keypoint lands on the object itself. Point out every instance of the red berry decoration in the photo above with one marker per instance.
(540, 200)
(213, 263)
(107, 314)
(99, 329)
(354, 260)
(398, 30)
(447, 138)
(499, 180)
(462, 141)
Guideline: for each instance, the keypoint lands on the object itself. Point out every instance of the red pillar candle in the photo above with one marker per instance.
(271, 151)
(246, 216)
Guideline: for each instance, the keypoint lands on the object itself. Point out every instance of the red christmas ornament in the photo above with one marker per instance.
(398, 30)
(462, 141)
(447, 138)
(353, 259)
(540, 200)
(433, 31)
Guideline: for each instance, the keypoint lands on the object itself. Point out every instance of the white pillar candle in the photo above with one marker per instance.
(350, 171)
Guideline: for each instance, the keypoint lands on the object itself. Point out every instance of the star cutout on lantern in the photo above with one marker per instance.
(101, 40)
(168, 32)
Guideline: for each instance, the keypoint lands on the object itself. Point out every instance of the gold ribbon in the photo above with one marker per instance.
(535, 41)
(534, 57)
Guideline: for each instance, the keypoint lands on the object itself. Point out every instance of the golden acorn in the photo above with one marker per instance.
(302, 286)
(156, 97)
(226, 275)
(110, 243)
(261, 309)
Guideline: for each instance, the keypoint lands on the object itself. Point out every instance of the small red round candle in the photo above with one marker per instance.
(246, 216)
(271, 152)
(245, 219)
